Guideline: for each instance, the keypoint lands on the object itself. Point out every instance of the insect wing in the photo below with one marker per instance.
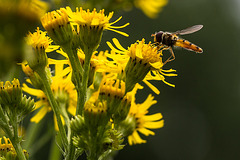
(189, 30)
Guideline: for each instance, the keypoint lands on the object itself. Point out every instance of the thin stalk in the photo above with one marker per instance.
(75, 64)
(76, 69)
(18, 148)
(13, 135)
(83, 96)
(77, 73)
(54, 106)
(71, 148)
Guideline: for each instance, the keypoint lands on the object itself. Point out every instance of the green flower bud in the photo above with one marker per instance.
(26, 106)
(33, 76)
(7, 151)
(128, 125)
(112, 91)
(10, 93)
(112, 140)
(123, 109)
(95, 115)
(79, 142)
(78, 124)
(135, 72)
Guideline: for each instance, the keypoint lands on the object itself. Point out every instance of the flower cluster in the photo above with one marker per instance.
(98, 88)
(91, 93)
(7, 150)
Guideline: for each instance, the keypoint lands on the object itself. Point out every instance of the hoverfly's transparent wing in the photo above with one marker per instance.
(189, 30)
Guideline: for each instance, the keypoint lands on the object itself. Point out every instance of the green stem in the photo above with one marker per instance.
(77, 73)
(4, 120)
(76, 69)
(54, 105)
(71, 148)
(18, 148)
(95, 144)
(83, 96)
(12, 134)
(75, 64)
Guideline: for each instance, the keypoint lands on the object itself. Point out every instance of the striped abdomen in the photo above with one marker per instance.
(188, 45)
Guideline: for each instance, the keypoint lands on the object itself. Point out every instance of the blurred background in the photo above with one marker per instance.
(202, 113)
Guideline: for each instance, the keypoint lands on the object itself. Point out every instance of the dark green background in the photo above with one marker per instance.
(202, 113)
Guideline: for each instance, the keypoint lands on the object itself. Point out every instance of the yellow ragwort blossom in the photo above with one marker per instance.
(140, 62)
(58, 27)
(143, 122)
(95, 19)
(7, 149)
(150, 7)
(10, 93)
(29, 9)
(38, 39)
(98, 62)
(63, 90)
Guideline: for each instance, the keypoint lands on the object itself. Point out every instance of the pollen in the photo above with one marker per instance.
(95, 20)
(55, 19)
(38, 39)
(113, 88)
(8, 86)
(146, 52)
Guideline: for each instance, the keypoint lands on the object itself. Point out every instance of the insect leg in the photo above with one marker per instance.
(171, 58)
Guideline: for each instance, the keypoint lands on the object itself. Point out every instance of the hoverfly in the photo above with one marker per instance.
(166, 40)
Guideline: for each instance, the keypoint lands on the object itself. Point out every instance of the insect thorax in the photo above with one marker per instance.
(169, 39)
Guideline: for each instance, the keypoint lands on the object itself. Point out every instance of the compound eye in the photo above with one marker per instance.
(159, 36)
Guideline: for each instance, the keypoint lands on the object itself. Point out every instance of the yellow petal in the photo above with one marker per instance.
(41, 113)
(119, 32)
(154, 125)
(153, 117)
(137, 138)
(34, 92)
(146, 132)
(152, 87)
(118, 45)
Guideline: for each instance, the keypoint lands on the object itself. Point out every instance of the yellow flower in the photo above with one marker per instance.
(7, 149)
(143, 122)
(28, 9)
(140, 62)
(112, 91)
(95, 19)
(63, 90)
(90, 27)
(7, 145)
(95, 114)
(38, 39)
(98, 63)
(40, 43)
(58, 26)
(150, 7)
(10, 93)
